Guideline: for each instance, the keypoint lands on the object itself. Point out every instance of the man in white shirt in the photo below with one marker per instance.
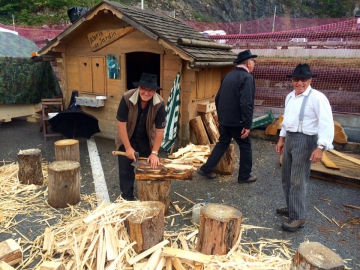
(307, 131)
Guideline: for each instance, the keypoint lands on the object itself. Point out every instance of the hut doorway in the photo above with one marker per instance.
(139, 62)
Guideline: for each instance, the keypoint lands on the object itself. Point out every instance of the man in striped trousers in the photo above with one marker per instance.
(307, 131)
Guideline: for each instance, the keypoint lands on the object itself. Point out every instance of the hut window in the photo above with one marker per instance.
(113, 66)
(92, 72)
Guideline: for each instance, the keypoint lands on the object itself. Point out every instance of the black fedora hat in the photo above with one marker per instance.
(147, 80)
(302, 71)
(244, 55)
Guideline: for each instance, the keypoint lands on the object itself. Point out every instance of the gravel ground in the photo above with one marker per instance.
(256, 201)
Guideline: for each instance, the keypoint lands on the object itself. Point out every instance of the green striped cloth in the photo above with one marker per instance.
(172, 115)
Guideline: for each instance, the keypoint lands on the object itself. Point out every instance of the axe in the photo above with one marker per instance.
(134, 163)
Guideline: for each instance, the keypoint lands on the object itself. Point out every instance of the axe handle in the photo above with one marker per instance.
(118, 153)
(121, 153)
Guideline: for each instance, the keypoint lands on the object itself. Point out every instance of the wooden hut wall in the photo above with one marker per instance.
(78, 48)
(198, 85)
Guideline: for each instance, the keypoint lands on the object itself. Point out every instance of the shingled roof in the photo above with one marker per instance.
(167, 30)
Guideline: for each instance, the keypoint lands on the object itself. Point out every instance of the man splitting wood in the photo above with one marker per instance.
(141, 123)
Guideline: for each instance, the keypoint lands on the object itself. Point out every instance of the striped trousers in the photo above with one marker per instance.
(296, 171)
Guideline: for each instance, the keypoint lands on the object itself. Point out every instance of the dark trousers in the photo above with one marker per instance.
(127, 172)
(226, 134)
(295, 168)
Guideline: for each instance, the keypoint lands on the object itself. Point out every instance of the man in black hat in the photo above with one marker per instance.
(307, 131)
(235, 105)
(141, 123)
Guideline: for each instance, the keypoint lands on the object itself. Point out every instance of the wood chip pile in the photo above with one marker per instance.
(97, 239)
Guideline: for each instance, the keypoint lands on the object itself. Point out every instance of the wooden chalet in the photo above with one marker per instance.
(107, 49)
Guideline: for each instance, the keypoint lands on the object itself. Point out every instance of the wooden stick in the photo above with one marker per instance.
(323, 214)
(184, 197)
(352, 206)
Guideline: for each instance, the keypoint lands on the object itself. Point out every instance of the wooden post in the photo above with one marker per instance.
(156, 190)
(67, 149)
(226, 164)
(211, 127)
(63, 183)
(198, 128)
(10, 252)
(313, 255)
(30, 170)
(219, 229)
(146, 226)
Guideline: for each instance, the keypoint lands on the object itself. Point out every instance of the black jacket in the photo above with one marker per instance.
(235, 99)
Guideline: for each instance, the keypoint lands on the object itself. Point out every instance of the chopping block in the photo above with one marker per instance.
(154, 184)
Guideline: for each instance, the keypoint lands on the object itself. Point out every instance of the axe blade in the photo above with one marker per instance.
(136, 162)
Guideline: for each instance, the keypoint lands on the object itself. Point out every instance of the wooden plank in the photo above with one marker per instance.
(349, 158)
(348, 174)
(100, 39)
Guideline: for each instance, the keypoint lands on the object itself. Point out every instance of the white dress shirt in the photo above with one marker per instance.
(318, 118)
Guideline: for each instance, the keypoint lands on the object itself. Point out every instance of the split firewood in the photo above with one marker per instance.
(167, 170)
(184, 254)
(198, 128)
(52, 266)
(328, 163)
(273, 128)
(147, 252)
(211, 127)
(48, 241)
(177, 264)
(339, 133)
(5, 266)
(10, 252)
(153, 260)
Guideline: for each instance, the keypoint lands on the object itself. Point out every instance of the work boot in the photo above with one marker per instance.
(208, 175)
(251, 179)
(283, 211)
(293, 224)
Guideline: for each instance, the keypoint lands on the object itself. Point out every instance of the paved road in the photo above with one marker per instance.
(256, 201)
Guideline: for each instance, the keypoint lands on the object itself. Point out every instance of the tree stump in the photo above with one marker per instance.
(146, 226)
(30, 170)
(198, 128)
(219, 229)
(226, 164)
(63, 183)
(156, 190)
(67, 149)
(313, 255)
